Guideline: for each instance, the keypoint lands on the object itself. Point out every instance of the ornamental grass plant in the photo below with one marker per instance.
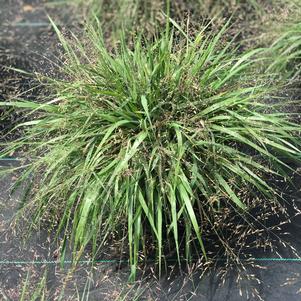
(149, 143)
(286, 50)
(145, 15)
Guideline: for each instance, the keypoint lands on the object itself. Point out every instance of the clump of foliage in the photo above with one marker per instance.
(156, 139)
(286, 51)
(145, 14)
